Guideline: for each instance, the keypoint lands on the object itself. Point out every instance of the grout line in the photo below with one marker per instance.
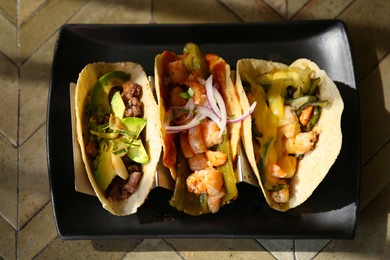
(374, 67)
(345, 9)
(32, 134)
(45, 246)
(376, 153)
(231, 11)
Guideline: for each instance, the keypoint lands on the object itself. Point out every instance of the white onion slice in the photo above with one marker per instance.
(194, 122)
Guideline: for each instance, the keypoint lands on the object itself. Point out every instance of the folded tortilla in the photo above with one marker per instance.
(315, 165)
(173, 158)
(151, 135)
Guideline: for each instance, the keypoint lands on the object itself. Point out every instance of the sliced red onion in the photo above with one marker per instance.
(222, 109)
(210, 96)
(194, 122)
(245, 115)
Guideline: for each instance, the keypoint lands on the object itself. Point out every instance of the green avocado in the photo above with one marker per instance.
(99, 96)
(117, 105)
(137, 152)
(103, 170)
(109, 164)
(134, 125)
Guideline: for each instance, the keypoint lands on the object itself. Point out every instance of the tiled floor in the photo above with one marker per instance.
(28, 33)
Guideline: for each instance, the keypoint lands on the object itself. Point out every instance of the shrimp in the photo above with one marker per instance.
(210, 131)
(289, 124)
(177, 72)
(281, 196)
(306, 115)
(198, 162)
(199, 90)
(208, 182)
(175, 98)
(215, 158)
(301, 143)
(185, 146)
(277, 171)
(195, 139)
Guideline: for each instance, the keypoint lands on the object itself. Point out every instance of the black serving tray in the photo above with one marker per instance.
(331, 212)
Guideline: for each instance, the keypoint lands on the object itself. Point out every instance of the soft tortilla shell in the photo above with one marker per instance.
(316, 164)
(151, 134)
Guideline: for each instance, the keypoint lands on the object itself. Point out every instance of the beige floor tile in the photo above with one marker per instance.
(7, 240)
(279, 6)
(293, 6)
(219, 249)
(375, 176)
(252, 10)
(118, 11)
(200, 11)
(375, 109)
(308, 249)
(8, 99)
(8, 7)
(8, 38)
(368, 23)
(34, 190)
(280, 249)
(86, 249)
(8, 182)
(322, 9)
(44, 24)
(372, 239)
(27, 8)
(152, 249)
(39, 232)
(34, 88)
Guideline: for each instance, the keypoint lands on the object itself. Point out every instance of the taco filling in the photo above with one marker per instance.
(195, 96)
(285, 126)
(115, 123)
(119, 147)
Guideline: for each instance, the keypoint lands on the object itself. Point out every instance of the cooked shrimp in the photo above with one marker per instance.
(210, 131)
(208, 182)
(177, 72)
(195, 139)
(175, 98)
(185, 146)
(281, 196)
(306, 115)
(301, 143)
(199, 90)
(198, 162)
(289, 124)
(215, 158)
(277, 171)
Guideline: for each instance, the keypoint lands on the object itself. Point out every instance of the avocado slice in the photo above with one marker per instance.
(134, 125)
(137, 152)
(99, 96)
(117, 105)
(109, 164)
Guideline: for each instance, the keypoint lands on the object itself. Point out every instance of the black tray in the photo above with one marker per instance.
(331, 212)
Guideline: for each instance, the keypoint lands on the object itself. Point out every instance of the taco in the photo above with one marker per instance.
(118, 130)
(294, 135)
(200, 113)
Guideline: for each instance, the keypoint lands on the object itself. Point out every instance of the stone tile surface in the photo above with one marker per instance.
(152, 249)
(375, 109)
(219, 248)
(201, 11)
(34, 89)
(9, 8)
(117, 11)
(8, 38)
(39, 232)
(7, 240)
(27, 8)
(322, 9)
(9, 99)
(34, 190)
(369, 38)
(38, 29)
(8, 182)
(372, 236)
(252, 10)
(280, 249)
